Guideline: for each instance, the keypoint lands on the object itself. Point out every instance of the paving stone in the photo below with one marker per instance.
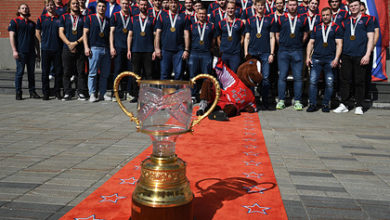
(25, 214)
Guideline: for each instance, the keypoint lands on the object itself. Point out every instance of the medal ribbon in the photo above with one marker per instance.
(154, 13)
(201, 33)
(259, 27)
(312, 21)
(174, 20)
(123, 20)
(74, 24)
(353, 26)
(335, 17)
(195, 18)
(230, 29)
(220, 14)
(325, 36)
(100, 24)
(244, 5)
(143, 25)
(292, 26)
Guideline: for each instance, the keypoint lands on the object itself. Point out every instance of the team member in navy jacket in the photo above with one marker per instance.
(73, 58)
(291, 33)
(96, 48)
(230, 32)
(119, 30)
(47, 34)
(326, 42)
(172, 41)
(25, 49)
(140, 44)
(357, 48)
(259, 42)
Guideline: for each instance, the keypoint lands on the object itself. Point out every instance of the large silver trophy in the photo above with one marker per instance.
(164, 112)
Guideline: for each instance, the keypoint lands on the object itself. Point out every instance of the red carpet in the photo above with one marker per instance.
(227, 164)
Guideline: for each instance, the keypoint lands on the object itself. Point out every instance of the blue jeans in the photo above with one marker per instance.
(199, 63)
(51, 58)
(265, 70)
(293, 59)
(169, 59)
(231, 60)
(317, 67)
(100, 59)
(25, 59)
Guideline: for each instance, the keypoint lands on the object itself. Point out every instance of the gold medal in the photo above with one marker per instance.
(124, 30)
(142, 34)
(74, 32)
(292, 35)
(101, 34)
(258, 35)
(352, 37)
(201, 42)
(325, 44)
(173, 29)
(230, 38)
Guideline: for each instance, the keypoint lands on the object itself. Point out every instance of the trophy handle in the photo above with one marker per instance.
(116, 87)
(217, 94)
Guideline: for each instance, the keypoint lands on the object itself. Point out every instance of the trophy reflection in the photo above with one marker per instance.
(164, 112)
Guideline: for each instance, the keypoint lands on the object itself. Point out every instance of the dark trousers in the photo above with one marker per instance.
(74, 65)
(121, 63)
(352, 75)
(28, 60)
(143, 66)
(47, 58)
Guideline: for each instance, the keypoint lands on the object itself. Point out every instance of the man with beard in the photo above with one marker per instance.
(47, 34)
(338, 13)
(140, 44)
(96, 48)
(119, 28)
(25, 49)
(71, 33)
(219, 13)
(357, 48)
(259, 42)
(172, 41)
(291, 34)
(60, 8)
(326, 42)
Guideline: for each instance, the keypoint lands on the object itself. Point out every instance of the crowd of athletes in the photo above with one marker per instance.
(84, 43)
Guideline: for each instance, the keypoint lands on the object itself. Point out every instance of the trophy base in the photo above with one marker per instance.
(143, 212)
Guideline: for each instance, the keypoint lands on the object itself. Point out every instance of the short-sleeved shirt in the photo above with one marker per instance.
(87, 12)
(316, 21)
(376, 23)
(94, 38)
(142, 43)
(92, 6)
(304, 9)
(59, 10)
(358, 46)
(234, 46)
(248, 12)
(286, 42)
(218, 15)
(66, 23)
(172, 40)
(50, 39)
(120, 36)
(241, 4)
(260, 45)
(329, 51)
(212, 7)
(134, 10)
(24, 34)
(340, 16)
(209, 34)
(269, 8)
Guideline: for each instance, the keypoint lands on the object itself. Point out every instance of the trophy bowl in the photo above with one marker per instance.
(164, 112)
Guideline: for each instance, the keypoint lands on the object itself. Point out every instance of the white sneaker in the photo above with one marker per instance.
(130, 97)
(113, 99)
(341, 109)
(92, 98)
(72, 78)
(107, 97)
(358, 110)
(51, 77)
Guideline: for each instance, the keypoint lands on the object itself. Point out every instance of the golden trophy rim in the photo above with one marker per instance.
(165, 82)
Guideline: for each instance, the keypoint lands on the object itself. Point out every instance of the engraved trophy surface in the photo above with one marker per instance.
(164, 112)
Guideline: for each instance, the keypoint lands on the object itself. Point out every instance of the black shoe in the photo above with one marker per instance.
(325, 108)
(34, 95)
(19, 96)
(45, 97)
(312, 108)
(134, 101)
(58, 95)
(199, 112)
(67, 97)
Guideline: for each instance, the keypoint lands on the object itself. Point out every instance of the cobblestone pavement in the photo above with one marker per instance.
(53, 154)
